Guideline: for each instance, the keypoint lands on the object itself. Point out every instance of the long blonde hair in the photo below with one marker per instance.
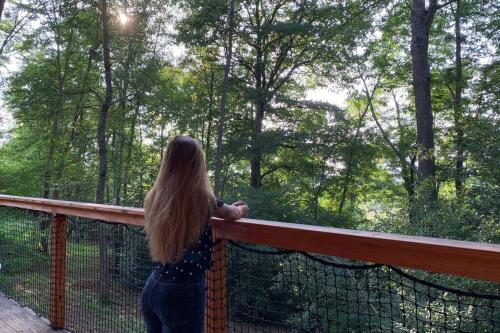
(178, 206)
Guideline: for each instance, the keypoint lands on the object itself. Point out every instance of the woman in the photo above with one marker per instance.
(177, 211)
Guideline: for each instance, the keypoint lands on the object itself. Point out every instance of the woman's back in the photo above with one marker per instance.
(177, 211)
(196, 261)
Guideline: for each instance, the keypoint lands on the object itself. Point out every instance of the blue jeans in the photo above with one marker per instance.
(173, 307)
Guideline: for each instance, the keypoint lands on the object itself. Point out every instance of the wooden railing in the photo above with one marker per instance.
(467, 259)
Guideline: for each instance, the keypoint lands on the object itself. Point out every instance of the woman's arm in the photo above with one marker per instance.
(232, 212)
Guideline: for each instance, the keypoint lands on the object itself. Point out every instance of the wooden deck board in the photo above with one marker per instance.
(15, 318)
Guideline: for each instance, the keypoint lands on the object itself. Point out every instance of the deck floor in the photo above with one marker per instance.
(16, 318)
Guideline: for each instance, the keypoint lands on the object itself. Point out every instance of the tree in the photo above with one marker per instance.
(222, 112)
(101, 142)
(274, 43)
(457, 102)
(2, 3)
(105, 105)
(19, 17)
(421, 21)
(281, 40)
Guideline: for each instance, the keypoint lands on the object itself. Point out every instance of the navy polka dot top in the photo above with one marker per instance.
(195, 262)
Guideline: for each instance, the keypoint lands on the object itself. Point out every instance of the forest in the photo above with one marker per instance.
(378, 115)
(362, 114)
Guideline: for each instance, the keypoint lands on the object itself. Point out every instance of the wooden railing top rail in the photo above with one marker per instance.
(467, 259)
(108, 213)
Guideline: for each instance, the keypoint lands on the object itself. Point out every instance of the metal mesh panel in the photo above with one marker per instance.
(286, 291)
(250, 289)
(25, 257)
(107, 266)
(92, 247)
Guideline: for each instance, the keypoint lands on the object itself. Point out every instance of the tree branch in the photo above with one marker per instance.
(382, 131)
(451, 91)
(445, 4)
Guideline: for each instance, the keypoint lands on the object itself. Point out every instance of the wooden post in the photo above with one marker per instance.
(216, 299)
(58, 237)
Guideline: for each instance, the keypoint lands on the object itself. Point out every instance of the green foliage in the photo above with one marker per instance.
(321, 163)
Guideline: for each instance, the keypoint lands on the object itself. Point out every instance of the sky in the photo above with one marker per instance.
(6, 120)
(328, 94)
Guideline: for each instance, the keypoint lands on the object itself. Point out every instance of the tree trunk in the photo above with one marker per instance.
(104, 277)
(260, 106)
(129, 154)
(421, 21)
(103, 114)
(222, 111)
(118, 183)
(2, 4)
(121, 130)
(211, 92)
(162, 134)
(458, 107)
(141, 174)
(48, 176)
(407, 172)
(348, 170)
(225, 177)
(55, 120)
(260, 103)
(77, 118)
(256, 175)
(318, 191)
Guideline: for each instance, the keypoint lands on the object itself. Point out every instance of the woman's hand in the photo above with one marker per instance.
(242, 207)
(233, 212)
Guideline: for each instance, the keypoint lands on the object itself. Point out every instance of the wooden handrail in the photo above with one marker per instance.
(467, 259)
(108, 213)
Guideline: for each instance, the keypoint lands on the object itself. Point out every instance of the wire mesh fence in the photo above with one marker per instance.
(25, 257)
(272, 290)
(264, 289)
(107, 266)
